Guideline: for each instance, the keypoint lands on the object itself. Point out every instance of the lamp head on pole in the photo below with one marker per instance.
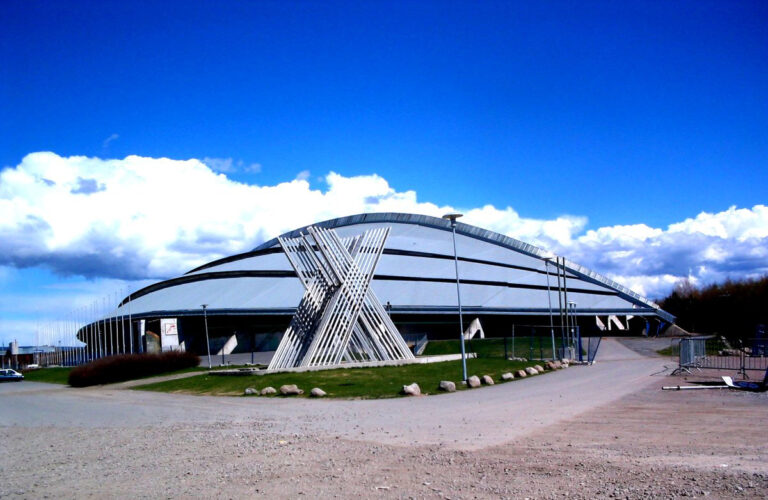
(452, 217)
(203, 306)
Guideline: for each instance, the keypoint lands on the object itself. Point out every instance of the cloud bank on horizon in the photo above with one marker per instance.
(150, 218)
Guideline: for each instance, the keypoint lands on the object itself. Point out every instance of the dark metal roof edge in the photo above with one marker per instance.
(282, 311)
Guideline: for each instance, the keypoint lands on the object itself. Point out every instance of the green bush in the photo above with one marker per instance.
(129, 367)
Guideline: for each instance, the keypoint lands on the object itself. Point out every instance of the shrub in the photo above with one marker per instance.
(130, 366)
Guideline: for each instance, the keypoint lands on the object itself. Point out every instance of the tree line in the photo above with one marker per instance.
(732, 308)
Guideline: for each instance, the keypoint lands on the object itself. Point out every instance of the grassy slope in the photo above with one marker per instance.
(60, 375)
(366, 383)
(50, 375)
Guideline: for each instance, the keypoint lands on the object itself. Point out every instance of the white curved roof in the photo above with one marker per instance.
(499, 275)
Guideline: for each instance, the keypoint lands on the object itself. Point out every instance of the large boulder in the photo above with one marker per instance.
(521, 373)
(251, 391)
(412, 389)
(473, 381)
(507, 376)
(447, 386)
(550, 365)
(268, 390)
(539, 368)
(317, 393)
(531, 371)
(487, 380)
(290, 390)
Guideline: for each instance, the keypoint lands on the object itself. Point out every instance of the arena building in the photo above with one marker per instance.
(250, 298)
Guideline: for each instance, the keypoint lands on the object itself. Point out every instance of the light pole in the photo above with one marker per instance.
(572, 325)
(575, 332)
(452, 217)
(207, 342)
(549, 300)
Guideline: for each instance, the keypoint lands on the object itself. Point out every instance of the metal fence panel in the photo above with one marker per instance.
(530, 342)
(592, 347)
(716, 353)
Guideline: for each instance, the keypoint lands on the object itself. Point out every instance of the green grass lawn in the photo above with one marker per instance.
(58, 375)
(521, 347)
(200, 369)
(363, 383)
(165, 374)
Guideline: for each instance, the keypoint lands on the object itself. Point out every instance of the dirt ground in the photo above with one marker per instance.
(647, 443)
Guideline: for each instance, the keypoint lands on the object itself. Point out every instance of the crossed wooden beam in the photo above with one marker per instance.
(339, 318)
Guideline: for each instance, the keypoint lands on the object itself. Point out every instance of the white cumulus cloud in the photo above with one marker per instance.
(148, 218)
(707, 248)
(539, 232)
(231, 166)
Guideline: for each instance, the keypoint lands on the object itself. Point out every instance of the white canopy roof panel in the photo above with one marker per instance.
(499, 275)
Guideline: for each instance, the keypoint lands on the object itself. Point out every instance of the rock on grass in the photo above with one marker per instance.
(447, 386)
(317, 393)
(412, 390)
(290, 390)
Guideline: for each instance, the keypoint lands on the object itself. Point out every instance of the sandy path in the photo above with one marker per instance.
(467, 419)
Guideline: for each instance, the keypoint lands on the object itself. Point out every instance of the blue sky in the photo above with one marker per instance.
(603, 114)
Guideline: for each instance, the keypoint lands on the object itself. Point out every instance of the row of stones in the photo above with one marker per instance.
(285, 390)
(414, 389)
(475, 381)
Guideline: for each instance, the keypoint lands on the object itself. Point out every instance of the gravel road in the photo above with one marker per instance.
(585, 432)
